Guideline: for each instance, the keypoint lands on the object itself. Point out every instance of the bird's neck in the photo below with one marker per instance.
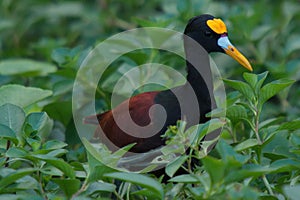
(199, 74)
(201, 82)
(197, 82)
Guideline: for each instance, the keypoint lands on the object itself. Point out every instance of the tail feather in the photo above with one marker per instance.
(94, 119)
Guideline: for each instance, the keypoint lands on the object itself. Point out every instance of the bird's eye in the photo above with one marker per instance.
(208, 34)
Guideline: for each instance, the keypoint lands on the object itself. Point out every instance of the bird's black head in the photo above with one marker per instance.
(211, 34)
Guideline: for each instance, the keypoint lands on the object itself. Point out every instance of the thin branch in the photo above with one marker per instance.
(257, 114)
(41, 185)
(82, 189)
(7, 158)
(267, 184)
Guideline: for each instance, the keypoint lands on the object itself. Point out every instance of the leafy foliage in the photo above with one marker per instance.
(42, 44)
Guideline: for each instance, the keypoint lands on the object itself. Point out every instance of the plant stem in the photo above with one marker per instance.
(128, 192)
(234, 135)
(265, 180)
(41, 185)
(82, 189)
(7, 158)
(257, 114)
(267, 184)
(117, 195)
(189, 161)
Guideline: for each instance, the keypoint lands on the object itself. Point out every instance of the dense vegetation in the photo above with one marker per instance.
(42, 44)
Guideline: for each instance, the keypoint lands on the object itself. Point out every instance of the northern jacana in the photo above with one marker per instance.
(211, 34)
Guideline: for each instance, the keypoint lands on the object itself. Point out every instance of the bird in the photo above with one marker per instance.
(211, 34)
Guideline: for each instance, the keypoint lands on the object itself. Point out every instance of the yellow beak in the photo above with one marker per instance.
(230, 50)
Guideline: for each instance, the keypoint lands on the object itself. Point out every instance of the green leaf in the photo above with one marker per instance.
(236, 112)
(285, 165)
(292, 44)
(61, 111)
(173, 166)
(278, 146)
(215, 168)
(61, 55)
(251, 171)
(292, 192)
(145, 193)
(56, 152)
(251, 79)
(104, 157)
(271, 89)
(25, 67)
(232, 97)
(51, 170)
(21, 196)
(37, 120)
(14, 176)
(54, 144)
(249, 123)
(97, 169)
(139, 179)
(122, 151)
(185, 178)
(34, 143)
(58, 163)
(242, 87)
(197, 192)
(16, 152)
(238, 191)
(40, 122)
(100, 187)
(227, 152)
(270, 122)
(22, 96)
(260, 80)
(62, 87)
(295, 140)
(249, 143)
(216, 113)
(68, 186)
(7, 133)
(13, 117)
(198, 132)
(25, 183)
(290, 126)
